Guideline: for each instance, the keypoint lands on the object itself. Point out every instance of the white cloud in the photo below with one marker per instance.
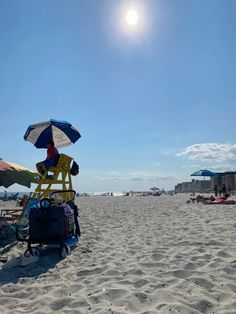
(211, 152)
(145, 176)
(191, 166)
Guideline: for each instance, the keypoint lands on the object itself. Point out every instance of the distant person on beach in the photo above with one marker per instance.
(212, 198)
(223, 190)
(5, 197)
(218, 199)
(224, 197)
(24, 201)
(50, 161)
(216, 190)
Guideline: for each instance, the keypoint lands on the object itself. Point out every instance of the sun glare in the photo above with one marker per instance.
(132, 17)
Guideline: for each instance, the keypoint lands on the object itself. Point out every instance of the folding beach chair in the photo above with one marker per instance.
(12, 220)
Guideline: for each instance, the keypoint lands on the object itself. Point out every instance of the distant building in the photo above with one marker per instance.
(228, 178)
(199, 186)
(195, 186)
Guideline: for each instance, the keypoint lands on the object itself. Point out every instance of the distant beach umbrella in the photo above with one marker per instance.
(154, 188)
(62, 133)
(11, 173)
(203, 173)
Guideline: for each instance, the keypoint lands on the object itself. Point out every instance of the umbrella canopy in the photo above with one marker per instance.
(11, 173)
(62, 133)
(203, 173)
(154, 189)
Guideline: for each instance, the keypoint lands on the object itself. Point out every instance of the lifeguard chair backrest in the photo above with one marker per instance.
(63, 163)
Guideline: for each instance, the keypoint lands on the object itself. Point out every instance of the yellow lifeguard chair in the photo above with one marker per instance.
(58, 178)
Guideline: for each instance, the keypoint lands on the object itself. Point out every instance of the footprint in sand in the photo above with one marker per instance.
(140, 283)
(157, 257)
(195, 266)
(58, 304)
(203, 306)
(89, 272)
(202, 282)
(183, 273)
(114, 294)
(191, 266)
(223, 254)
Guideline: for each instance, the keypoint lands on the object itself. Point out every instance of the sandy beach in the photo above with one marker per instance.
(136, 255)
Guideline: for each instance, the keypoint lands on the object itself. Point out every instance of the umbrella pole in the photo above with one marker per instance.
(203, 186)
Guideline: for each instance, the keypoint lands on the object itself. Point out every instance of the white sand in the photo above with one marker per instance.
(136, 255)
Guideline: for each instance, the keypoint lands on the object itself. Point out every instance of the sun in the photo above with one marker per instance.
(132, 17)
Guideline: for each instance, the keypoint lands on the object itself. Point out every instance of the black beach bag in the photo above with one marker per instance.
(74, 170)
(47, 224)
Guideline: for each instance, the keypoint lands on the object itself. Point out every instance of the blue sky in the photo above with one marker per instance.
(153, 103)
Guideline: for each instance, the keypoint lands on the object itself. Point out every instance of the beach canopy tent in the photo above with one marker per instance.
(203, 173)
(11, 173)
(62, 133)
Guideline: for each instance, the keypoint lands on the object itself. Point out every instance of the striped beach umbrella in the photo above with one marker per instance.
(62, 133)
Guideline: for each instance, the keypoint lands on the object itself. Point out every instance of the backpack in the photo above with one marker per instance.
(74, 170)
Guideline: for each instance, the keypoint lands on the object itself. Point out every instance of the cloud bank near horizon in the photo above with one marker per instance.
(136, 176)
(217, 155)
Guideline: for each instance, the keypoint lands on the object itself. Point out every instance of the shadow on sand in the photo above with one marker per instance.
(48, 259)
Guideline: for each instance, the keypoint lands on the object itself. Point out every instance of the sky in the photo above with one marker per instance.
(154, 101)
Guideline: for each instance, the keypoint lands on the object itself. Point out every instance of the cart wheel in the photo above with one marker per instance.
(35, 251)
(65, 250)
